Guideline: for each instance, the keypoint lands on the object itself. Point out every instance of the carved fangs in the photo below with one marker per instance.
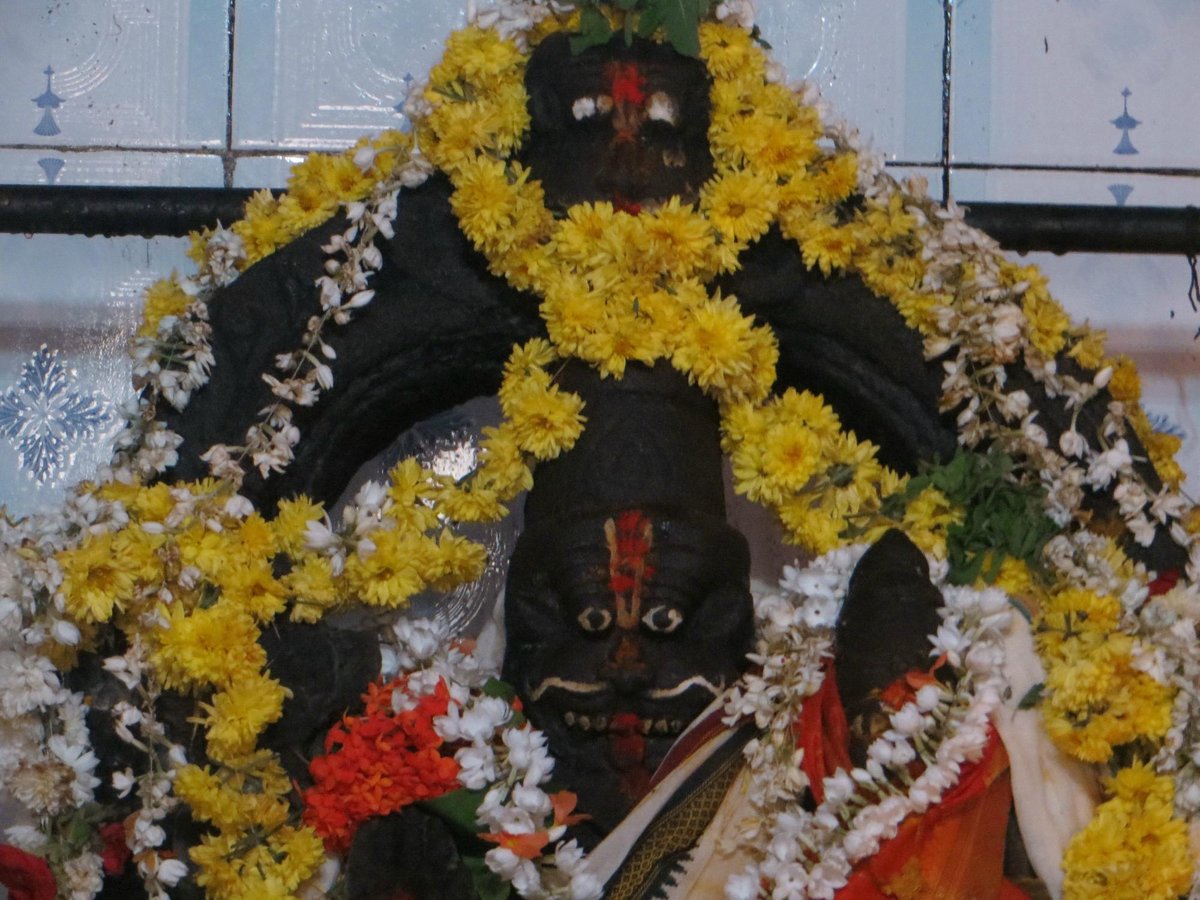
(600, 724)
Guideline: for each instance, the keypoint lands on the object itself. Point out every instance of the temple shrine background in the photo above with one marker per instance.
(1041, 101)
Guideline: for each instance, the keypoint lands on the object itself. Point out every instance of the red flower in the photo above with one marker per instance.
(378, 763)
(1166, 580)
(116, 852)
(26, 876)
(628, 83)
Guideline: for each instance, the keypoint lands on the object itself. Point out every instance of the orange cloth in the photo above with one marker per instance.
(955, 850)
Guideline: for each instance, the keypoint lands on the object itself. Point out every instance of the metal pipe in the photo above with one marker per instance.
(149, 211)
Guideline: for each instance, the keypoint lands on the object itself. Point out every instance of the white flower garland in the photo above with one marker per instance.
(802, 854)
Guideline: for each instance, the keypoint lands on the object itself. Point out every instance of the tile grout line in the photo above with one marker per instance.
(947, 55)
(228, 159)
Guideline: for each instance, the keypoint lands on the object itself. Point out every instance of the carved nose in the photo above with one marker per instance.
(624, 172)
(625, 669)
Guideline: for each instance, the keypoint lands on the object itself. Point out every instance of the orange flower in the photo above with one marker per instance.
(378, 763)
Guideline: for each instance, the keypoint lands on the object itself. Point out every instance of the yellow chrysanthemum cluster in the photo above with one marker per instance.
(248, 796)
(1134, 848)
(316, 189)
(614, 287)
(197, 584)
(1095, 699)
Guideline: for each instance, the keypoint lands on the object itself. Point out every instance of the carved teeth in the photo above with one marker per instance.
(569, 718)
(647, 724)
(661, 726)
(600, 723)
(676, 726)
(585, 723)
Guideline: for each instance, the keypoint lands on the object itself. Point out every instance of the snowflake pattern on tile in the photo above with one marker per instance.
(45, 419)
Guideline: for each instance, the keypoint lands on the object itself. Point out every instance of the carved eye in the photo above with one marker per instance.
(595, 619)
(661, 108)
(662, 619)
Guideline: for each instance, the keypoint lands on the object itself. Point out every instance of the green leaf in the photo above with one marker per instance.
(1032, 697)
(457, 809)
(681, 22)
(594, 30)
(649, 22)
(488, 885)
(627, 4)
(494, 687)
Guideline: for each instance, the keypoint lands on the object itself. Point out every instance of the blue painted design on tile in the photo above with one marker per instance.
(1164, 424)
(44, 419)
(405, 93)
(48, 101)
(51, 167)
(1126, 123)
(1120, 192)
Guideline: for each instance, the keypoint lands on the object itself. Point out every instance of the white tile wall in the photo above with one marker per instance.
(1035, 87)
(81, 297)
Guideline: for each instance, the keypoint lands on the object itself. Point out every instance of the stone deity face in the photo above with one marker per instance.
(622, 628)
(623, 124)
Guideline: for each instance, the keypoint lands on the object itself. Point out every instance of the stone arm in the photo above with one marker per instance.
(436, 334)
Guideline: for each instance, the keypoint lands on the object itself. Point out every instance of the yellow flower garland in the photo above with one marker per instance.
(614, 287)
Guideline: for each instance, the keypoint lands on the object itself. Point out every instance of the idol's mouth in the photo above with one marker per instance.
(562, 688)
(594, 709)
(623, 723)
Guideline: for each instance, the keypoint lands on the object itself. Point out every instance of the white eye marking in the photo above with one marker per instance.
(662, 619)
(662, 108)
(583, 108)
(595, 619)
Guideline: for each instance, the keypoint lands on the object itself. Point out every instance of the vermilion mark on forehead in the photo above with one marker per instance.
(626, 83)
(630, 537)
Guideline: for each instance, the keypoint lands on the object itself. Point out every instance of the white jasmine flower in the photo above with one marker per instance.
(84, 876)
(583, 108)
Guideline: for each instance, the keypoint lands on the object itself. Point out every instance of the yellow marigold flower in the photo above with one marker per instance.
(730, 52)
(299, 853)
(817, 529)
(1015, 579)
(545, 421)
(95, 579)
(390, 574)
(1133, 848)
(837, 177)
(926, 519)
(216, 646)
(1046, 323)
(163, 298)
(578, 236)
(217, 861)
(1078, 609)
(673, 239)
(1088, 350)
(409, 485)
(503, 466)
(740, 205)
(483, 198)
(291, 521)
(827, 246)
(206, 550)
(151, 504)
(238, 714)
(249, 583)
(1161, 448)
(471, 504)
(311, 586)
(1125, 384)
(715, 349)
(458, 560)
(230, 800)
(479, 57)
